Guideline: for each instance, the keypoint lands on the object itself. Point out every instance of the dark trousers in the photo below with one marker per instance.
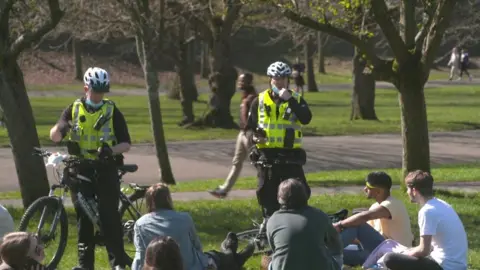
(107, 191)
(398, 261)
(464, 69)
(269, 180)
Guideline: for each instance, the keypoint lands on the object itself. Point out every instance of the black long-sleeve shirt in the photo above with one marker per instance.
(301, 110)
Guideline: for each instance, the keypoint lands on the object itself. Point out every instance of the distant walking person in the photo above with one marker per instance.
(245, 84)
(454, 63)
(464, 62)
(298, 69)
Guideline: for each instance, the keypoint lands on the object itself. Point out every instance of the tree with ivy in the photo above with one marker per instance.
(414, 31)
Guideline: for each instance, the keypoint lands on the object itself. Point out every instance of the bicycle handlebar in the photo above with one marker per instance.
(104, 153)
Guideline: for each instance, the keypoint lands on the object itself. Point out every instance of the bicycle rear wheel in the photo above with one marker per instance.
(129, 214)
(261, 243)
(50, 213)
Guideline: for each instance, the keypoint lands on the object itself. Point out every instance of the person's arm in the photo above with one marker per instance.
(121, 133)
(301, 110)
(60, 130)
(427, 223)
(245, 108)
(423, 249)
(363, 217)
(333, 240)
(269, 230)
(194, 236)
(252, 119)
(140, 248)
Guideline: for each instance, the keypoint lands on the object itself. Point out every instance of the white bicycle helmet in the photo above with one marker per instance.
(97, 79)
(279, 69)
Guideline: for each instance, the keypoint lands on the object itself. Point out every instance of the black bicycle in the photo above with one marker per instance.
(258, 236)
(51, 209)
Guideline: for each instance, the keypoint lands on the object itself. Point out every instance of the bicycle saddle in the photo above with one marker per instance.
(128, 168)
(340, 215)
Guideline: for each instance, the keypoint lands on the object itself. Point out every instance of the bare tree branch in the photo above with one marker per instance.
(399, 49)
(440, 23)
(26, 39)
(422, 34)
(4, 16)
(327, 28)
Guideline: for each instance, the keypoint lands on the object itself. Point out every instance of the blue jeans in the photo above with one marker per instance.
(368, 237)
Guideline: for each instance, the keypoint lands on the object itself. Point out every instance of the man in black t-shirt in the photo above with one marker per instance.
(89, 121)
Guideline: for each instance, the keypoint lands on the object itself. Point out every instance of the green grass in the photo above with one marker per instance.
(448, 109)
(214, 219)
(345, 77)
(442, 174)
(331, 77)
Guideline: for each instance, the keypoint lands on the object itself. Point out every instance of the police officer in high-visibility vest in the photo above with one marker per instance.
(89, 121)
(276, 118)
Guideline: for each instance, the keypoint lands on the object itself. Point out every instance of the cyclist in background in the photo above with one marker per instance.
(276, 118)
(88, 121)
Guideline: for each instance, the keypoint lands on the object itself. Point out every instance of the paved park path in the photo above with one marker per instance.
(197, 160)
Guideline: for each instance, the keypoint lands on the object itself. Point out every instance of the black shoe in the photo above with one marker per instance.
(79, 268)
(245, 254)
(230, 244)
(219, 193)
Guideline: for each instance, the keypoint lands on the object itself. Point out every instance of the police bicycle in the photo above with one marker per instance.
(51, 209)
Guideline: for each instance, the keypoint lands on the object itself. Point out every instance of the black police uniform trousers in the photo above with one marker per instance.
(105, 185)
(269, 180)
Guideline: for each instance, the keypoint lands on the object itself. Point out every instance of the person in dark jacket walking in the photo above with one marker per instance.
(248, 93)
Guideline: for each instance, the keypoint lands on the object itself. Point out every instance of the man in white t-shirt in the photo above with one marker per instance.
(387, 218)
(6, 222)
(443, 241)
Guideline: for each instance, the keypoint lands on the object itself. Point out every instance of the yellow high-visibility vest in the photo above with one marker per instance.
(83, 131)
(274, 126)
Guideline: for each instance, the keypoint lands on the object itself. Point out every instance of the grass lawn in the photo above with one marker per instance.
(448, 109)
(443, 174)
(215, 218)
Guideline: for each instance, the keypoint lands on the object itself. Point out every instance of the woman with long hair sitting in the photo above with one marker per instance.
(163, 253)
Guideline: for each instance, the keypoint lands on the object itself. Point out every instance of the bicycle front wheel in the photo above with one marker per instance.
(46, 217)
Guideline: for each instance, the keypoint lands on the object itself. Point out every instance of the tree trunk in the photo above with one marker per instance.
(321, 53)
(188, 89)
(174, 91)
(18, 114)
(224, 80)
(77, 54)
(363, 95)
(204, 63)
(191, 69)
(146, 52)
(308, 51)
(416, 149)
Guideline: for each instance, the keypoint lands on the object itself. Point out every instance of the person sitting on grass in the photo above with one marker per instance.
(443, 240)
(301, 236)
(6, 222)
(387, 218)
(163, 253)
(163, 220)
(21, 251)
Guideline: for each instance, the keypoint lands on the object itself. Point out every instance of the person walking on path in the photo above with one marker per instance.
(243, 144)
